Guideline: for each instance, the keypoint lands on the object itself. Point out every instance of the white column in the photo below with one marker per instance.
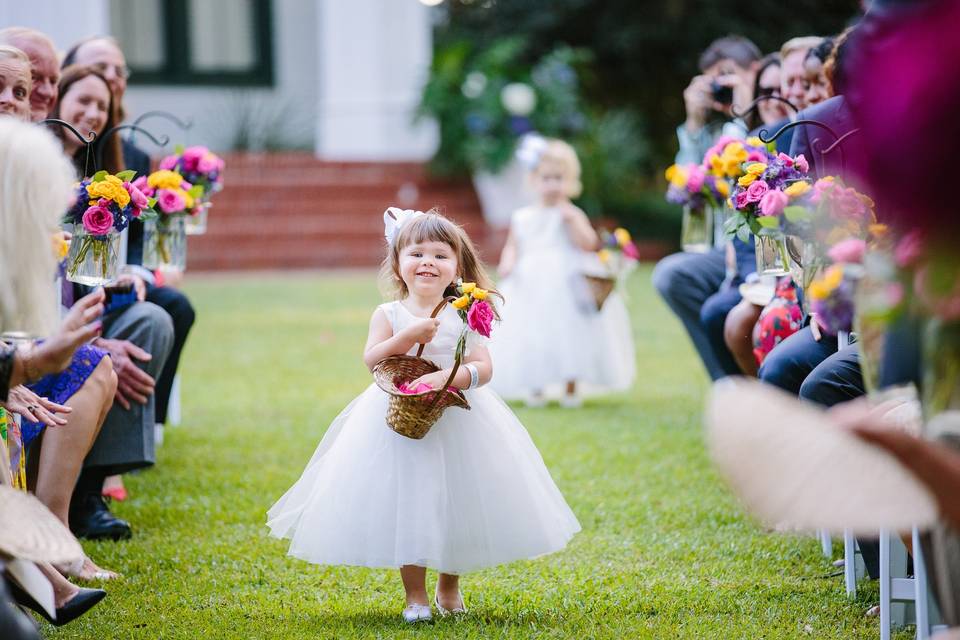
(374, 56)
(65, 21)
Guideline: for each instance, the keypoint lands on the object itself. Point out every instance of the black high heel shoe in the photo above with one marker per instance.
(73, 609)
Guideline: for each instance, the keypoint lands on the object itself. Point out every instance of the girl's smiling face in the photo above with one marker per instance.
(428, 268)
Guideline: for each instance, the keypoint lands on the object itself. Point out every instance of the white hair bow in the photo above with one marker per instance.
(530, 150)
(394, 219)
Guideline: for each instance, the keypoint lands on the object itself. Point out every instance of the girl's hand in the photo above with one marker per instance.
(435, 380)
(423, 331)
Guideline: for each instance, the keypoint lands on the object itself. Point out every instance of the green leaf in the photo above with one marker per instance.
(769, 222)
(152, 202)
(196, 191)
(797, 214)
(744, 233)
(178, 149)
(127, 175)
(99, 176)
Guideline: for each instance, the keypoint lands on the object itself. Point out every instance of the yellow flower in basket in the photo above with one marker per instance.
(797, 189)
(622, 236)
(756, 168)
(467, 287)
(723, 188)
(604, 255)
(747, 179)
(479, 294)
(755, 141)
(461, 302)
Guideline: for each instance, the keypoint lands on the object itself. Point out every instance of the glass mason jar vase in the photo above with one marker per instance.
(93, 260)
(196, 225)
(696, 231)
(773, 258)
(720, 216)
(941, 376)
(165, 243)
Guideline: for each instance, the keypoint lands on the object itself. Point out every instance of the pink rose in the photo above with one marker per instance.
(756, 190)
(480, 318)
(773, 202)
(192, 156)
(802, 164)
(170, 201)
(630, 250)
(757, 156)
(169, 163)
(97, 220)
(139, 200)
(141, 184)
(785, 159)
(208, 164)
(740, 200)
(909, 250)
(849, 251)
(695, 179)
(849, 205)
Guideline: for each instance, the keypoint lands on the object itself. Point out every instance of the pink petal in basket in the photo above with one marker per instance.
(407, 389)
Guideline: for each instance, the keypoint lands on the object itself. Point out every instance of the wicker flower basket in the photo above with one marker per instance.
(412, 414)
(601, 288)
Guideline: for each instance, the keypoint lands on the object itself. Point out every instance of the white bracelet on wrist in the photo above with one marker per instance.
(474, 375)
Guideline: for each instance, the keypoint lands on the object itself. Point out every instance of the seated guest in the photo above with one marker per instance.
(104, 54)
(687, 280)
(45, 72)
(30, 158)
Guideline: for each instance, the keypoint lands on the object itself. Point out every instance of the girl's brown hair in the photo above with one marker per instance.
(109, 152)
(435, 227)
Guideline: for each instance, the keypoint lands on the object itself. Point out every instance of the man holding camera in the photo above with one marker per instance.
(686, 280)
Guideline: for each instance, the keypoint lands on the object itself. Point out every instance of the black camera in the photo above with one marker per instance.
(721, 94)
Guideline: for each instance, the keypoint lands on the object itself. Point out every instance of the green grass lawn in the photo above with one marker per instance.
(665, 551)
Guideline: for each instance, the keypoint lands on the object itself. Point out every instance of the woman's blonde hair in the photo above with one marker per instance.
(36, 187)
(433, 226)
(560, 152)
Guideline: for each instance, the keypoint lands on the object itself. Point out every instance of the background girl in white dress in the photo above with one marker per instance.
(473, 493)
(551, 336)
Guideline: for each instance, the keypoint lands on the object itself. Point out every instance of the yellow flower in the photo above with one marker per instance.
(479, 294)
(797, 189)
(187, 198)
(723, 188)
(756, 168)
(622, 236)
(60, 246)
(754, 141)
(164, 179)
(731, 168)
(677, 176)
(604, 255)
(461, 302)
(817, 290)
(878, 230)
(467, 287)
(747, 180)
(716, 165)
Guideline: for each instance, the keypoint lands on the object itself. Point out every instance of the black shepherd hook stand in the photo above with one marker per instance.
(183, 125)
(753, 105)
(162, 141)
(87, 142)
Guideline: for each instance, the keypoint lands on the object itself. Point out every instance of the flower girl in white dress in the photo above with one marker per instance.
(473, 493)
(551, 336)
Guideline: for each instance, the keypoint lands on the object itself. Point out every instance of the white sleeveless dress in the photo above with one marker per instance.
(550, 332)
(473, 493)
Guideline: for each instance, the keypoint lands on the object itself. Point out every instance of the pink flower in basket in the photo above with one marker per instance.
(480, 318)
(97, 220)
(850, 251)
(169, 163)
(136, 197)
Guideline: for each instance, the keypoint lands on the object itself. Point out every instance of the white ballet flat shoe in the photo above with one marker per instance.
(446, 612)
(417, 613)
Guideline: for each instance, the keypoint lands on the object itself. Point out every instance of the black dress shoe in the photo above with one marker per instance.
(91, 519)
(73, 609)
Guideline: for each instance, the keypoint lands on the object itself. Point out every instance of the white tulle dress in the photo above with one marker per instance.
(473, 493)
(550, 332)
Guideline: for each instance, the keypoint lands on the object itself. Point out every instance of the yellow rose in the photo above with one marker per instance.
(461, 302)
(121, 197)
(670, 172)
(164, 179)
(732, 169)
(678, 177)
(797, 189)
(622, 236)
(747, 180)
(479, 294)
(754, 141)
(187, 198)
(723, 188)
(60, 246)
(817, 290)
(833, 277)
(756, 168)
(604, 255)
(716, 165)
(467, 287)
